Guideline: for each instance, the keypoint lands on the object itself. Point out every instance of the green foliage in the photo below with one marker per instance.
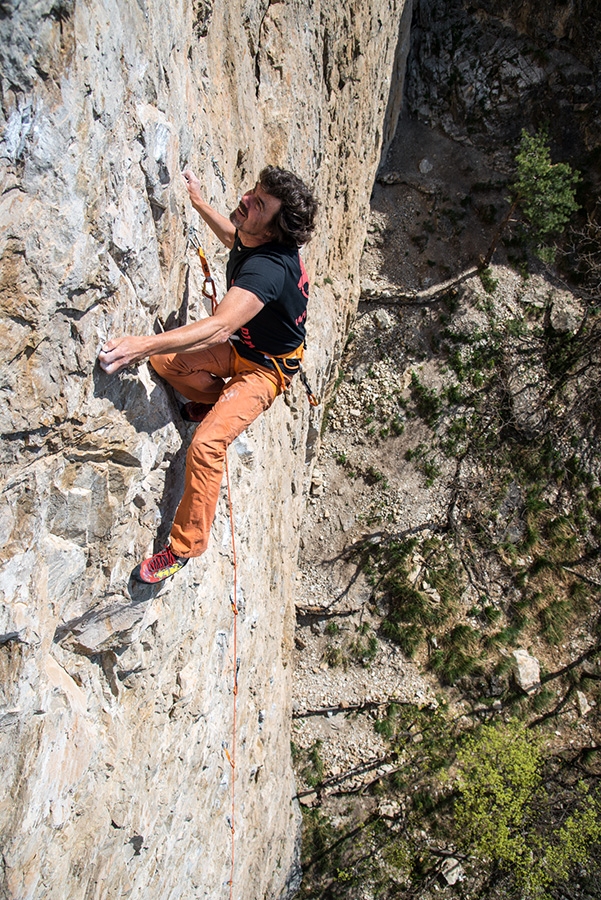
(412, 613)
(397, 426)
(489, 283)
(313, 768)
(364, 651)
(490, 614)
(401, 855)
(554, 620)
(408, 637)
(387, 724)
(374, 476)
(427, 403)
(505, 815)
(318, 834)
(498, 772)
(454, 660)
(425, 463)
(545, 190)
(334, 656)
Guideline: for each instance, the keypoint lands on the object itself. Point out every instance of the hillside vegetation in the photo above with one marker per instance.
(452, 573)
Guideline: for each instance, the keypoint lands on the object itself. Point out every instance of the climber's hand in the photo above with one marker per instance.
(221, 225)
(122, 352)
(193, 185)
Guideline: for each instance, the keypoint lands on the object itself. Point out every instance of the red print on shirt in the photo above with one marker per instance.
(303, 282)
(245, 333)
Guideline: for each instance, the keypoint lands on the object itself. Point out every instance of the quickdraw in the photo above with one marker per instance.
(310, 395)
(209, 289)
(280, 362)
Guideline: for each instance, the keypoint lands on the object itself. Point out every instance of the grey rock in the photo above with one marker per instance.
(390, 178)
(584, 704)
(527, 670)
(383, 319)
(452, 870)
(567, 314)
(118, 697)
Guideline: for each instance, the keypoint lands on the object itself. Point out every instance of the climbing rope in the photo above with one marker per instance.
(233, 601)
(209, 290)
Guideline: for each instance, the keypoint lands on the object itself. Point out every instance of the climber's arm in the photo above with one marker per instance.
(236, 309)
(219, 224)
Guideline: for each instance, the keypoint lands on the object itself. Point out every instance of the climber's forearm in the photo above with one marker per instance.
(236, 309)
(122, 352)
(219, 225)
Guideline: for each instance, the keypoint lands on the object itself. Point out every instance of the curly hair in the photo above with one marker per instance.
(294, 224)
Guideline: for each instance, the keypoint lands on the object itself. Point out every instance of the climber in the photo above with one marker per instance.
(254, 339)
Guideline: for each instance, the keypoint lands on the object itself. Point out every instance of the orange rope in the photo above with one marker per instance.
(209, 290)
(232, 756)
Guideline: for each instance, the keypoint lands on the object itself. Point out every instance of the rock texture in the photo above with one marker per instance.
(116, 719)
(483, 72)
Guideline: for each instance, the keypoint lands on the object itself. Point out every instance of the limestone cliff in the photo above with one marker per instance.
(116, 698)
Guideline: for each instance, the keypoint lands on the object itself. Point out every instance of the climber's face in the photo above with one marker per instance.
(253, 216)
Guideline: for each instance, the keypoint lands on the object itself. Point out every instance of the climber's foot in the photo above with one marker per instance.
(162, 565)
(195, 412)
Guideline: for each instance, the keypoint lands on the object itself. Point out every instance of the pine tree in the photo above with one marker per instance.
(543, 191)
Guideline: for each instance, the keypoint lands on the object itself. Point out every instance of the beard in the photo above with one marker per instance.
(238, 216)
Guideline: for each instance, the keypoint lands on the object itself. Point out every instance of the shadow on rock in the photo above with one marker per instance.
(140, 591)
(145, 412)
(112, 627)
(174, 486)
(148, 414)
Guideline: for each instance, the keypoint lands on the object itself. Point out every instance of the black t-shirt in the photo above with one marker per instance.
(277, 276)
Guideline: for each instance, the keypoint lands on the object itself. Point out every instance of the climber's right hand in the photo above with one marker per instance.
(221, 225)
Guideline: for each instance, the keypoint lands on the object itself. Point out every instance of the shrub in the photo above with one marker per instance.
(506, 817)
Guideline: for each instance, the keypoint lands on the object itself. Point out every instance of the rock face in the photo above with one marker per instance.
(117, 706)
(481, 72)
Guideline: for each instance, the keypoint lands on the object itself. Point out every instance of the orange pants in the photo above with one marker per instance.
(200, 377)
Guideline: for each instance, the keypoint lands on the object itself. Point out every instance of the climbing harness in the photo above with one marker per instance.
(280, 362)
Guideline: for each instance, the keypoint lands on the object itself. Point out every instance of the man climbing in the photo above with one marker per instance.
(254, 339)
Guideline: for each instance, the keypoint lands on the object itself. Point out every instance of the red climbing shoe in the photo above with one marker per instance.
(195, 412)
(160, 566)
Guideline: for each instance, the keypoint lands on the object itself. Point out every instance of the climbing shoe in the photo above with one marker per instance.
(160, 566)
(195, 412)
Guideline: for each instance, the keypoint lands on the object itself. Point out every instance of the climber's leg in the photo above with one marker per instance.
(247, 395)
(199, 375)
